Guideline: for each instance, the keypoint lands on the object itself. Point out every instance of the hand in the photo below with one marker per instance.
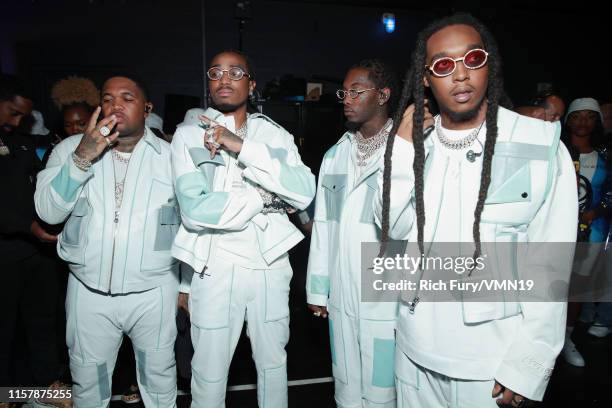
(507, 396)
(41, 234)
(405, 128)
(183, 302)
(587, 217)
(218, 136)
(319, 311)
(93, 143)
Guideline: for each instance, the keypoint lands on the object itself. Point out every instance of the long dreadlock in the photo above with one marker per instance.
(414, 91)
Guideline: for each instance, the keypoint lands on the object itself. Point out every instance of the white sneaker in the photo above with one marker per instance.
(598, 330)
(571, 354)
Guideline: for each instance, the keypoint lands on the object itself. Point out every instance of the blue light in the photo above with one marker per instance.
(389, 22)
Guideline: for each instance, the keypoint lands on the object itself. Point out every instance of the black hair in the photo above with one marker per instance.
(382, 75)
(12, 86)
(414, 92)
(135, 78)
(252, 99)
(247, 60)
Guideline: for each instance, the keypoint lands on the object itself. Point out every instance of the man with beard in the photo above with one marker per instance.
(362, 334)
(235, 182)
(485, 179)
(113, 187)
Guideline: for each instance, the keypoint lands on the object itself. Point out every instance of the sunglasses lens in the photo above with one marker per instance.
(443, 66)
(215, 74)
(235, 73)
(475, 59)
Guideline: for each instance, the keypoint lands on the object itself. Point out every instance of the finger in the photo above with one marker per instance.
(213, 151)
(111, 139)
(505, 398)
(109, 122)
(497, 388)
(409, 111)
(208, 121)
(91, 125)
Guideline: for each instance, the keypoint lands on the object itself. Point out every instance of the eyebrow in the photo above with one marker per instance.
(231, 66)
(468, 48)
(122, 93)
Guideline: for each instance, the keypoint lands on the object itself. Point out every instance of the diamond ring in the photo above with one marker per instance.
(104, 131)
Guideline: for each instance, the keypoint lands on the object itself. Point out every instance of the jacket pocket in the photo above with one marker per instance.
(334, 186)
(167, 227)
(73, 232)
(367, 214)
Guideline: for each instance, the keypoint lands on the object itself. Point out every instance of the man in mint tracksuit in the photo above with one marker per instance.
(234, 183)
(114, 190)
(362, 334)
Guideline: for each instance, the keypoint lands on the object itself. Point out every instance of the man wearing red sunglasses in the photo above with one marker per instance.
(484, 187)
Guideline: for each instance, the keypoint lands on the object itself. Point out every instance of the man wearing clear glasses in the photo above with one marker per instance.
(362, 334)
(237, 175)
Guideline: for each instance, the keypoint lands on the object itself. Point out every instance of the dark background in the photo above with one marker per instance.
(165, 41)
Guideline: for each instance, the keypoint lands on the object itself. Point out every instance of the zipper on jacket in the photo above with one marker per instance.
(116, 217)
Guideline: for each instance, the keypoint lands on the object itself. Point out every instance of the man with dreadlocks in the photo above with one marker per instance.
(361, 334)
(484, 173)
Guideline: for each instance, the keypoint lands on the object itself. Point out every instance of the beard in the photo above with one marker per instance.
(228, 107)
(352, 126)
(468, 115)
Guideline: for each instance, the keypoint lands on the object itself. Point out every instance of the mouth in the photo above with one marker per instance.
(120, 116)
(462, 95)
(224, 92)
(349, 112)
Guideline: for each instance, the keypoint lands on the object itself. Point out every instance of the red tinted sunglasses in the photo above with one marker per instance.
(473, 59)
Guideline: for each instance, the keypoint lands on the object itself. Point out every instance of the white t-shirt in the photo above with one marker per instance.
(436, 334)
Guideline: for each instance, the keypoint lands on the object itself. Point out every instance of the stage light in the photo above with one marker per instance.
(388, 20)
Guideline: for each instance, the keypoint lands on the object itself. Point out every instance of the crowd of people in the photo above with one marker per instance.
(130, 225)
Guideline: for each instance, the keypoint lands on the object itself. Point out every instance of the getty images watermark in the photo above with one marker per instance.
(503, 272)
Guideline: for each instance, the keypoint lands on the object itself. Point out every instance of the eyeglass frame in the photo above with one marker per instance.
(223, 71)
(455, 61)
(347, 92)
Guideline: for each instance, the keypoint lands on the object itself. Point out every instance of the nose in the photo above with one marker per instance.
(347, 101)
(225, 79)
(461, 72)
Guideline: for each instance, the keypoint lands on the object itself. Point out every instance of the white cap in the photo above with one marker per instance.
(584, 104)
(154, 121)
(192, 117)
(38, 128)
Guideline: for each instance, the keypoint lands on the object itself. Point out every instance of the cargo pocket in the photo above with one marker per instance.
(72, 234)
(211, 297)
(334, 186)
(277, 293)
(167, 227)
(156, 369)
(91, 383)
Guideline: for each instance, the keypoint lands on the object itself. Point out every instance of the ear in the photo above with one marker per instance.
(252, 85)
(148, 108)
(383, 96)
(425, 81)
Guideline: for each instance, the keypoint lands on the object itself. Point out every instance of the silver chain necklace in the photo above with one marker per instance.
(456, 144)
(367, 147)
(241, 132)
